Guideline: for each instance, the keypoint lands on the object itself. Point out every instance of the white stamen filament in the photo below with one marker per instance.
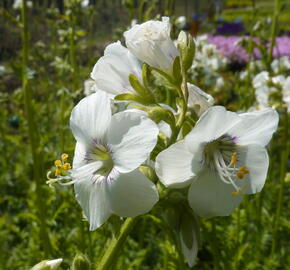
(224, 171)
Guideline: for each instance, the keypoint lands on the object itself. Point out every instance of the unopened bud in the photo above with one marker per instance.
(81, 262)
(48, 265)
(186, 48)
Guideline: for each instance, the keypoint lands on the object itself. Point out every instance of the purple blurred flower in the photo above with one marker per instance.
(228, 46)
(230, 28)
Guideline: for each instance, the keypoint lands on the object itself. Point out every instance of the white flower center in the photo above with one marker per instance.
(220, 155)
(101, 152)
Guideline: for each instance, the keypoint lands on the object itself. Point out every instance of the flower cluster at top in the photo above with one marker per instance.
(147, 134)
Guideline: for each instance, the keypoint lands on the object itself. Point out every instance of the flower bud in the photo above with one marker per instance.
(81, 262)
(48, 265)
(150, 42)
(186, 48)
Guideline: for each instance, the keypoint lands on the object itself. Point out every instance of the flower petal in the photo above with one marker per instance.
(132, 194)
(90, 118)
(255, 158)
(256, 127)
(198, 99)
(208, 196)
(131, 137)
(215, 122)
(79, 155)
(93, 196)
(176, 165)
(111, 72)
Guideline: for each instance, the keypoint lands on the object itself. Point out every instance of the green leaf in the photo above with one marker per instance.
(133, 97)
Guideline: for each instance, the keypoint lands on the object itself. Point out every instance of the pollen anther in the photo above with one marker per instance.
(64, 157)
(233, 159)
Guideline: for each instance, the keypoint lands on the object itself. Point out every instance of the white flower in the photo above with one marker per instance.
(286, 93)
(18, 4)
(223, 157)
(111, 72)
(89, 87)
(48, 265)
(281, 64)
(108, 152)
(198, 100)
(280, 80)
(151, 43)
(180, 22)
(85, 3)
(262, 95)
(261, 79)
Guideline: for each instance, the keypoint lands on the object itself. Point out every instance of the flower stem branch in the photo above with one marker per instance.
(116, 244)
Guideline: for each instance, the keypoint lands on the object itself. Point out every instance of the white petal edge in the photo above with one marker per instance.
(256, 127)
(255, 158)
(212, 124)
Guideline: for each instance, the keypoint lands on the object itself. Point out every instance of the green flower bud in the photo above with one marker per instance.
(81, 262)
(186, 48)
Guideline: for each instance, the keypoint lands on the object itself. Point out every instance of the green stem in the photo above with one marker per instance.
(283, 170)
(236, 262)
(72, 53)
(183, 90)
(33, 136)
(116, 244)
(274, 30)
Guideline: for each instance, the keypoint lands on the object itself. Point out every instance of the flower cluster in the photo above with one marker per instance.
(168, 138)
(268, 89)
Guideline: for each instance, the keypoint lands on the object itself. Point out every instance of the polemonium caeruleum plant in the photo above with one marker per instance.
(169, 146)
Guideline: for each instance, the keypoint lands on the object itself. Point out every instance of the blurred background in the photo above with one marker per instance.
(44, 71)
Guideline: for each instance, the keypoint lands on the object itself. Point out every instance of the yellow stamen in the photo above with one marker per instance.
(242, 172)
(233, 159)
(64, 157)
(57, 172)
(235, 193)
(66, 166)
(58, 163)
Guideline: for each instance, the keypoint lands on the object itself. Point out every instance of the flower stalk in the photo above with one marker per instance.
(32, 134)
(283, 170)
(274, 30)
(116, 244)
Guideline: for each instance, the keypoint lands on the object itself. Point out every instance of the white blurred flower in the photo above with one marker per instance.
(279, 80)
(286, 93)
(85, 3)
(223, 157)
(134, 22)
(108, 152)
(261, 79)
(18, 4)
(180, 22)
(198, 99)
(2, 69)
(151, 43)
(220, 83)
(111, 72)
(281, 64)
